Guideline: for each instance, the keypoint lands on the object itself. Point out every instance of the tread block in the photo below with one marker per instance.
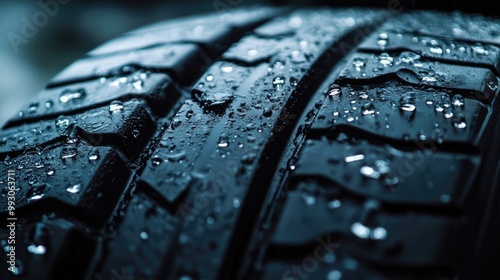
(367, 233)
(470, 27)
(52, 248)
(217, 88)
(127, 125)
(392, 176)
(330, 21)
(212, 38)
(242, 19)
(29, 136)
(252, 50)
(157, 89)
(478, 83)
(213, 33)
(425, 115)
(441, 49)
(75, 174)
(143, 242)
(179, 60)
(167, 175)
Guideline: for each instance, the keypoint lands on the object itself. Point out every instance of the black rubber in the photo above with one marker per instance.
(263, 144)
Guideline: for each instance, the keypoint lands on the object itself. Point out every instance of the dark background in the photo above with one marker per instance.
(80, 26)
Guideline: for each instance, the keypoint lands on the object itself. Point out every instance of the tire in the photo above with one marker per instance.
(264, 144)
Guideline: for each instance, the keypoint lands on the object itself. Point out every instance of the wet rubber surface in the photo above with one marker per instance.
(181, 151)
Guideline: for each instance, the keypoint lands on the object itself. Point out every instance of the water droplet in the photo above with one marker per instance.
(492, 85)
(385, 59)
(308, 199)
(62, 124)
(429, 79)
(408, 107)
(36, 249)
(448, 113)
(354, 158)
(368, 109)
(362, 95)
(36, 192)
(32, 108)
(407, 102)
(334, 89)
(176, 157)
(383, 36)
(156, 160)
(391, 181)
(459, 121)
(479, 50)
(298, 56)
(223, 141)
(382, 43)
(138, 85)
(115, 106)
(74, 189)
(436, 50)
(93, 156)
(409, 58)
(267, 112)
(295, 22)
(369, 172)
(227, 68)
(209, 78)
(457, 100)
(68, 152)
(144, 235)
(118, 82)
(358, 63)
(71, 95)
(382, 166)
(278, 82)
(379, 233)
(439, 107)
(360, 230)
(49, 104)
(429, 102)
(334, 204)
(136, 133)
(252, 52)
(236, 203)
(334, 275)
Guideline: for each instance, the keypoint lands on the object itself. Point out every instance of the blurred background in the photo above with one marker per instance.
(80, 26)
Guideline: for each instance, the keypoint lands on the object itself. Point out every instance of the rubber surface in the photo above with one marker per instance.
(265, 144)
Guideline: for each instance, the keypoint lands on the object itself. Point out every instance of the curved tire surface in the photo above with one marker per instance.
(264, 143)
